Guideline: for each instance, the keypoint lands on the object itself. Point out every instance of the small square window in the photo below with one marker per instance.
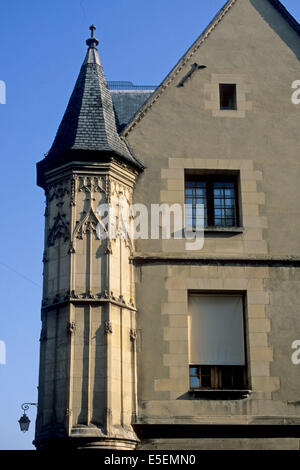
(228, 99)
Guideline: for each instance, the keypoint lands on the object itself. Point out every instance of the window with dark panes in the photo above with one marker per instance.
(211, 201)
(228, 99)
(195, 200)
(224, 203)
(218, 377)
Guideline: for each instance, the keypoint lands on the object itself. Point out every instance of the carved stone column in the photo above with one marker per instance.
(87, 390)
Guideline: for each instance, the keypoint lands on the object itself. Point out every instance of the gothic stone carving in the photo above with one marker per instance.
(108, 327)
(58, 190)
(71, 327)
(91, 184)
(133, 334)
(87, 224)
(59, 229)
(73, 190)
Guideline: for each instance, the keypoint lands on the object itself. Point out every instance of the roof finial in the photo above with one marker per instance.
(92, 41)
(92, 28)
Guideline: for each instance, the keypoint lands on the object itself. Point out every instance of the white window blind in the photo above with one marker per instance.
(216, 330)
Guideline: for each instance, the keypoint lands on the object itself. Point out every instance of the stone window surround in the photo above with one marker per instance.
(213, 280)
(254, 224)
(212, 92)
(220, 173)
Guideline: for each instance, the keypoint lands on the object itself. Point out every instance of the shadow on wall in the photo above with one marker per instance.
(269, 12)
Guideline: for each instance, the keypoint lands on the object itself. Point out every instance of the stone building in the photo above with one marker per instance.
(145, 344)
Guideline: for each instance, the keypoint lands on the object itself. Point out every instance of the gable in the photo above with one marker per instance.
(182, 127)
(271, 12)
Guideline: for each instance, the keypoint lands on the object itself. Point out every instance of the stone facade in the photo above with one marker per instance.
(115, 338)
(253, 46)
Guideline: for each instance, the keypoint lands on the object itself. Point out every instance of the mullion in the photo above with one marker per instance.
(236, 204)
(200, 196)
(194, 219)
(210, 203)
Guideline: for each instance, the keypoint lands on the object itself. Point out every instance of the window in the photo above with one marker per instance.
(216, 342)
(216, 196)
(217, 377)
(228, 99)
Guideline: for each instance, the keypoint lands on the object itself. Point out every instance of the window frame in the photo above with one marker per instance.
(246, 368)
(222, 86)
(209, 180)
(217, 377)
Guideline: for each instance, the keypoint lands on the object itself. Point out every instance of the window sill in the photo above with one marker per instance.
(214, 394)
(224, 229)
(216, 230)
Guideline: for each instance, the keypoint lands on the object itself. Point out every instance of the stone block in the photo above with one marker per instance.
(261, 354)
(248, 186)
(251, 175)
(173, 185)
(167, 173)
(173, 308)
(175, 334)
(178, 321)
(252, 221)
(177, 296)
(235, 284)
(175, 283)
(172, 197)
(259, 325)
(253, 198)
(258, 298)
(255, 285)
(175, 360)
(178, 347)
(258, 340)
(250, 209)
(260, 369)
(266, 384)
(256, 311)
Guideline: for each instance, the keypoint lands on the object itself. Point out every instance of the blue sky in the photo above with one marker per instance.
(42, 48)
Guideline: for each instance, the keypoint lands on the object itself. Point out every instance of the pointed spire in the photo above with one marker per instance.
(88, 124)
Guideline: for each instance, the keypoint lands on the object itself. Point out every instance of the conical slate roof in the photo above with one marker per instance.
(89, 120)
